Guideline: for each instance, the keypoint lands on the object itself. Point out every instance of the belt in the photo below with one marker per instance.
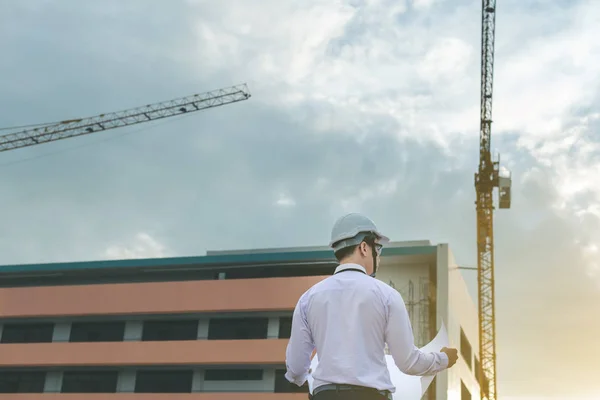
(338, 387)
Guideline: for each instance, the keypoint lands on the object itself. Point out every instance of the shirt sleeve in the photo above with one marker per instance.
(299, 348)
(401, 343)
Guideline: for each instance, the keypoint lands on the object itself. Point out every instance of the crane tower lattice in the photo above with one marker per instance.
(486, 179)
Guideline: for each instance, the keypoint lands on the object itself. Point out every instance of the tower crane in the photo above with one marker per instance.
(487, 178)
(45, 133)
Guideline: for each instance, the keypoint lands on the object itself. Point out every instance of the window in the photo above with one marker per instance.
(167, 381)
(477, 366)
(464, 392)
(285, 327)
(238, 328)
(282, 385)
(89, 381)
(27, 333)
(97, 331)
(170, 330)
(233, 374)
(22, 381)
(465, 348)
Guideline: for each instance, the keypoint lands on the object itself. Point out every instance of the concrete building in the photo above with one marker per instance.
(189, 327)
(434, 292)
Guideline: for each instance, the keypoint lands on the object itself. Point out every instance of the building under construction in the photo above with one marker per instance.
(196, 326)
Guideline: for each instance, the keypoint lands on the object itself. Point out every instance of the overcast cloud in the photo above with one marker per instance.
(367, 106)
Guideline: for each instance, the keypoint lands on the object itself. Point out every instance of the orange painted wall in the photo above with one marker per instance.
(270, 294)
(155, 396)
(216, 352)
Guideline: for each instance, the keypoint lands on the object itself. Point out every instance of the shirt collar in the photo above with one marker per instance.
(343, 267)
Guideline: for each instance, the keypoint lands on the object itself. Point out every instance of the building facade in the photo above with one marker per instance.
(435, 293)
(199, 328)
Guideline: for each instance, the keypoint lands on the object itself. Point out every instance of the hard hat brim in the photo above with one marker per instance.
(382, 239)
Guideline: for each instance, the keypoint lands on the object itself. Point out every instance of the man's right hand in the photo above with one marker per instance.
(452, 355)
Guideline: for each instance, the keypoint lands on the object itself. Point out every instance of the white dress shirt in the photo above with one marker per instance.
(349, 317)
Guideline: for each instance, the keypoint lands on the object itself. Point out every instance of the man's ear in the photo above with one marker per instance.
(362, 247)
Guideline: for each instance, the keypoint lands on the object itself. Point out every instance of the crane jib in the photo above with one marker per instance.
(84, 126)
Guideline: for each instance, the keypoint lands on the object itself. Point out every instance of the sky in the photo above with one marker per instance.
(369, 106)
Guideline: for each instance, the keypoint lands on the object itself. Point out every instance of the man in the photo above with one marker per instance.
(349, 317)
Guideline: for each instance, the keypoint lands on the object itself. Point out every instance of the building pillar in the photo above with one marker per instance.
(273, 328)
(439, 312)
(53, 383)
(203, 324)
(62, 332)
(126, 381)
(269, 380)
(133, 331)
(198, 381)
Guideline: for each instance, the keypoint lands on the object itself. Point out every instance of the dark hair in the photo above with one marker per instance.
(345, 252)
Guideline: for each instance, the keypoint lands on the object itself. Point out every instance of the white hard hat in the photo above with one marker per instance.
(351, 229)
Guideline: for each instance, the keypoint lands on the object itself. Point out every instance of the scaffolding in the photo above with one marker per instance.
(423, 302)
(417, 307)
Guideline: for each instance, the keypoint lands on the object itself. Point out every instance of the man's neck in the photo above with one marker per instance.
(350, 265)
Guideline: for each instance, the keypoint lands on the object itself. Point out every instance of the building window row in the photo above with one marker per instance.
(102, 276)
(150, 330)
(146, 381)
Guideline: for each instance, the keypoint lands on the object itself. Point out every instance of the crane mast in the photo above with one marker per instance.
(486, 179)
(84, 126)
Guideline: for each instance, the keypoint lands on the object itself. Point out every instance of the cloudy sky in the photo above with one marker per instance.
(357, 105)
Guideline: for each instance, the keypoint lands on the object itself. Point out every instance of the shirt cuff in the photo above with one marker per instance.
(444, 361)
(298, 381)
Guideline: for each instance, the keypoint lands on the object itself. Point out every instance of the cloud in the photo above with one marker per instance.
(285, 201)
(141, 246)
(539, 82)
(350, 69)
